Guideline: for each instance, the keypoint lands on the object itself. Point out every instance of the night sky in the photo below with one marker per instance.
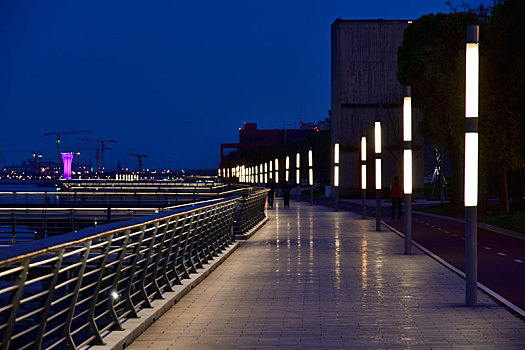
(171, 79)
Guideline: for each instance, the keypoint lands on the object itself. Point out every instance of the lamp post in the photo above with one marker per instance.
(298, 174)
(471, 164)
(276, 170)
(265, 173)
(311, 175)
(377, 148)
(261, 174)
(363, 173)
(407, 167)
(270, 174)
(287, 165)
(336, 175)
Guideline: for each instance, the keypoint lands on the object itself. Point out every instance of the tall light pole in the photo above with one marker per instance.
(336, 175)
(363, 173)
(270, 173)
(377, 148)
(298, 174)
(287, 165)
(265, 173)
(407, 166)
(276, 170)
(311, 175)
(261, 173)
(471, 164)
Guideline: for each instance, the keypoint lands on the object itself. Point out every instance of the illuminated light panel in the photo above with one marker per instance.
(336, 176)
(471, 169)
(407, 168)
(311, 176)
(363, 148)
(407, 119)
(472, 80)
(377, 134)
(363, 177)
(336, 153)
(378, 174)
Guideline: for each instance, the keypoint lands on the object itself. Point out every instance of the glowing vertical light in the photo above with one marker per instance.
(310, 168)
(298, 167)
(336, 164)
(287, 165)
(276, 170)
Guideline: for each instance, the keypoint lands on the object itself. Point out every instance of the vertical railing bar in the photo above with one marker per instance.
(136, 253)
(15, 301)
(93, 329)
(117, 325)
(146, 265)
(49, 299)
(69, 343)
(167, 223)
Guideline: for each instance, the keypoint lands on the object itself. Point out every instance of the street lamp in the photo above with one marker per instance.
(311, 175)
(276, 170)
(363, 173)
(261, 173)
(377, 148)
(471, 164)
(298, 174)
(287, 164)
(407, 166)
(336, 175)
(270, 163)
(265, 173)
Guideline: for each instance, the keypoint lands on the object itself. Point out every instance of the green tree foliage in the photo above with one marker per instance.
(502, 93)
(431, 60)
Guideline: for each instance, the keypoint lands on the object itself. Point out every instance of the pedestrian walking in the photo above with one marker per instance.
(396, 195)
(271, 186)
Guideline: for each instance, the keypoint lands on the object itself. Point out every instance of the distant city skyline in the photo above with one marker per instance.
(167, 79)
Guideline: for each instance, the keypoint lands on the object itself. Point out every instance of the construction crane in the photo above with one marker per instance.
(139, 157)
(102, 147)
(97, 152)
(58, 134)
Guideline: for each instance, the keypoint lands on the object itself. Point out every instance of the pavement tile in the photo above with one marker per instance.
(312, 278)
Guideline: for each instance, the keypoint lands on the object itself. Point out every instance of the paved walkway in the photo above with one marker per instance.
(315, 278)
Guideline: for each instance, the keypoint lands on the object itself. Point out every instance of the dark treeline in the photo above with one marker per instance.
(432, 61)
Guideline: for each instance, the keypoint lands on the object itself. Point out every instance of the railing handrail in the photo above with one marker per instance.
(14, 254)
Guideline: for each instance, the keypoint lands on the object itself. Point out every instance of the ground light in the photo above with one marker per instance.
(407, 167)
(363, 174)
(298, 174)
(377, 149)
(471, 164)
(311, 175)
(336, 175)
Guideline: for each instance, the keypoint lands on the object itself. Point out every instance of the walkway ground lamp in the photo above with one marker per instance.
(363, 173)
(287, 165)
(298, 174)
(276, 170)
(336, 175)
(311, 175)
(67, 159)
(471, 164)
(377, 148)
(407, 166)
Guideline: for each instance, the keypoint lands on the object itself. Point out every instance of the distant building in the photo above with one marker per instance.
(365, 89)
(252, 140)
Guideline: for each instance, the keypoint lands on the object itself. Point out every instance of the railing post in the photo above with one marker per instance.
(15, 301)
(49, 299)
(69, 343)
(13, 227)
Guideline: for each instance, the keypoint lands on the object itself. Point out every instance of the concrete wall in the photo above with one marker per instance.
(364, 89)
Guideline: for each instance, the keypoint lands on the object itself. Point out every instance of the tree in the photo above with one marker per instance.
(502, 92)
(431, 60)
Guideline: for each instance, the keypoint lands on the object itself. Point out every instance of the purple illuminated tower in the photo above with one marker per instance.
(67, 158)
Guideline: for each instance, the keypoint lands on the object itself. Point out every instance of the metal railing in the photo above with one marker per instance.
(250, 210)
(69, 291)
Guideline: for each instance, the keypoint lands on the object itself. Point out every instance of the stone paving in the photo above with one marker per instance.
(318, 279)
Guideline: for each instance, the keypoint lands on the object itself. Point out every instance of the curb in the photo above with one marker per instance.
(254, 229)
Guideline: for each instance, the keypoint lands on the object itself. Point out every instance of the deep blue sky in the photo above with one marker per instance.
(172, 79)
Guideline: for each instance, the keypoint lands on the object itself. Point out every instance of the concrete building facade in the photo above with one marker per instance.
(365, 89)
